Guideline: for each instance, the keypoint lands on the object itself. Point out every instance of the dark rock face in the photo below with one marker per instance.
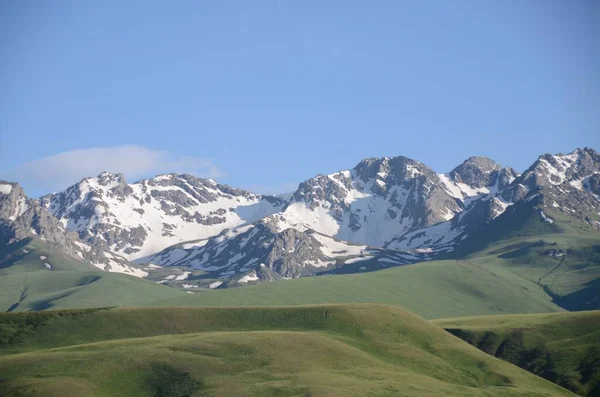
(24, 218)
(479, 172)
(552, 170)
(594, 184)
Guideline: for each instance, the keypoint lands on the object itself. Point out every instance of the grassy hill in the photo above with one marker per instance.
(431, 289)
(26, 283)
(32, 254)
(509, 267)
(561, 347)
(562, 256)
(333, 350)
(519, 263)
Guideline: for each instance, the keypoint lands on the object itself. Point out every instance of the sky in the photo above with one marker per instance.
(265, 94)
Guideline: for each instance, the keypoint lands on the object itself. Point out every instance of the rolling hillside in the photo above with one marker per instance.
(36, 276)
(431, 289)
(561, 347)
(334, 350)
(523, 262)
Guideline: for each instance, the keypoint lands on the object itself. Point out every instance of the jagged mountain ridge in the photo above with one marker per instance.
(395, 208)
(394, 194)
(23, 218)
(567, 182)
(260, 251)
(378, 200)
(142, 218)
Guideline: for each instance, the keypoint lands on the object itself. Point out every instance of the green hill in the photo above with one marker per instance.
(561, 347)
(562, 254)
(431, 289)
(519, 263)
(31, 254)
(334, 350)
(35, 276)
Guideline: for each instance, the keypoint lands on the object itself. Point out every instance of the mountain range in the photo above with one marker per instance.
(195, 233)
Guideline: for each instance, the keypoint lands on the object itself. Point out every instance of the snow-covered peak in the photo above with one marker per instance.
(555, 170)
(142, 218)
(392, 170)
(371, 203)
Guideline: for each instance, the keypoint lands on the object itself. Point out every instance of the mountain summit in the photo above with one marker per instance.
(383, 212)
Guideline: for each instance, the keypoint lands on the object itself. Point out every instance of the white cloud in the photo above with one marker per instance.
(61, 170)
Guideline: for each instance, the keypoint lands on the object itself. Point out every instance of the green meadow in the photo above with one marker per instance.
(330, 350)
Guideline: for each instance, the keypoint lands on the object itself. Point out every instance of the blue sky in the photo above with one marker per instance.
(264, 94)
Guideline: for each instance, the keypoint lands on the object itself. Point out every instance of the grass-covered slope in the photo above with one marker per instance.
(42, 290)
(431, 289)
(538, 243)
(561, 347)
(519, 263)
(335, 350)
(33, 254)
(522, 262)
(35, 276)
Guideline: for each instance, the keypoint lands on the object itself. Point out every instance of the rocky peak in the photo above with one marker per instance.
(480, 172)
(13, 201)
(476, 172)
(552, 170)
(23, 218)
(392, 170)
(371, 203)
(143, 217)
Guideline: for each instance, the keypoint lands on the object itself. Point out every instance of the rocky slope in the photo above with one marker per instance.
(381, 199)
(260, 252)
(382, 212)
(22, 218)
(142, 218)
(568, 183)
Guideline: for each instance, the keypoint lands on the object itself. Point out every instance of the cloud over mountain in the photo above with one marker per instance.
(58, 171)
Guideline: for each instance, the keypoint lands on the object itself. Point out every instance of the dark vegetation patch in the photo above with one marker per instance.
(582, 378)
(167, 381)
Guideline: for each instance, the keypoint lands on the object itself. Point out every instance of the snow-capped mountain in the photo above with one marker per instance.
(371, 203)
(477, 176)
(380, 200)
(576, 169)
(569, 183)
(374, 204)
(23, 218)
(139, 219)
(261, 251)
(383, 212)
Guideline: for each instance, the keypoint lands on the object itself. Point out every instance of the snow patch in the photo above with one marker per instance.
(215, 284)
(357, 259)
(333, 248)
(5, 189)
(545, 217)
(183, 276)
(248, 277)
